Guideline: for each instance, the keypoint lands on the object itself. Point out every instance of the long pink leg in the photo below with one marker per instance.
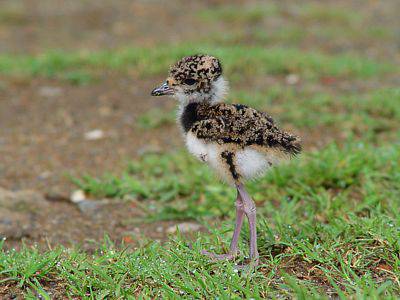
(238, 225)
(233, 249)
(250, 211)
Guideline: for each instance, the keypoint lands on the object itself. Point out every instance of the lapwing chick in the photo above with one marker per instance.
(238, 142)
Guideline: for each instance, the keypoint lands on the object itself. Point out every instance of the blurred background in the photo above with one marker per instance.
(75, 80)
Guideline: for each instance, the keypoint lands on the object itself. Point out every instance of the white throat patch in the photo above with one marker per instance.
(220, 90)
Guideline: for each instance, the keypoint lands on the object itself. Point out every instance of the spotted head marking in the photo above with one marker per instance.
(196, 72)
(194, 78)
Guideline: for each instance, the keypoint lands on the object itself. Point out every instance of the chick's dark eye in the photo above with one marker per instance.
(189, 81)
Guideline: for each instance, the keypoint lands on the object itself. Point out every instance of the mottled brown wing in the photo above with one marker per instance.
(245, 126)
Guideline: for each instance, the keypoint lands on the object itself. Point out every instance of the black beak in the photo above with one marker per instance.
(163, 89)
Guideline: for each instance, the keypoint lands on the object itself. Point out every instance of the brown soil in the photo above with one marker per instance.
(43, 137)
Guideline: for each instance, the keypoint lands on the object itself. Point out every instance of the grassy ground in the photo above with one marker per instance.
(328, 222)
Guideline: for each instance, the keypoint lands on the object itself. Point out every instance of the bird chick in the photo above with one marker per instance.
(238, 142)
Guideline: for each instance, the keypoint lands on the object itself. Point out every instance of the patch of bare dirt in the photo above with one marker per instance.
(46, 130)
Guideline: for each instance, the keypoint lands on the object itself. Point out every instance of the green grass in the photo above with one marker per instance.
(347, 242)
(175, 271)
(239, 62)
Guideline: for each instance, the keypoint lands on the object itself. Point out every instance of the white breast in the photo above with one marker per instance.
(252, 163)
(209, 153)
(197, 147)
